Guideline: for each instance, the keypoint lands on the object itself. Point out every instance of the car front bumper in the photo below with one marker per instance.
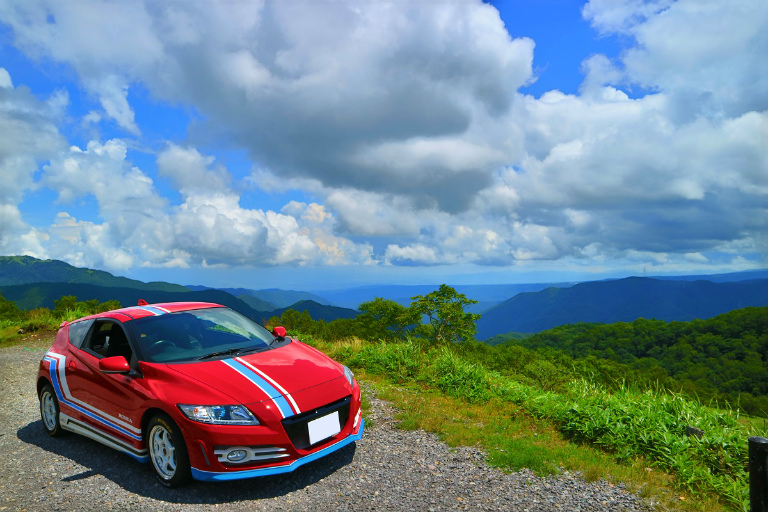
(210, 476)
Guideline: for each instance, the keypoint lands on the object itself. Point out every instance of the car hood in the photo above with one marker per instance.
(260, 376)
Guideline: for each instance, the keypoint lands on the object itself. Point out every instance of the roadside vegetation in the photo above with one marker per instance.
(635, 427)
(636, 415)
(531, 402)
(720, 359)
(16, 323)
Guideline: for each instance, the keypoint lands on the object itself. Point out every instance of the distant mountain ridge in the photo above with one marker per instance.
(744, 275)
(621, 300)
(319, 311)
(29, 296)
(533, 307)
(274, 296)
(31, 283)
(16, 270)
(257, 304)
(486, 294)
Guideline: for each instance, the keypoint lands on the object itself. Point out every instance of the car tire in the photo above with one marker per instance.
(168, 452)
(49, 411)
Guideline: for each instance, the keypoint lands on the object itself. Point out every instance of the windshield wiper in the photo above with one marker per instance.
(232, 351)
(229, 352)
(248, 350)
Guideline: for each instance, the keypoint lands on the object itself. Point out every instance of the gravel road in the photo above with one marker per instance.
(388, 469)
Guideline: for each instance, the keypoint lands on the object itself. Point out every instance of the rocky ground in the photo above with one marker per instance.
(389, 469)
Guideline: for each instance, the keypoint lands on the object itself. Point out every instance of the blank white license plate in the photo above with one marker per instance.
(324, 427)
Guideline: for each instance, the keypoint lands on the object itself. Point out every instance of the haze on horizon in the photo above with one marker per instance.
(329, 144)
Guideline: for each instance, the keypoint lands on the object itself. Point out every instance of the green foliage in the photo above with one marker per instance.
(399, 361)
(627, 422)
(630, 407)
(107, 306)
(448, 322)
(69, 308)
(9, 311)
(500, 339)
(15, 323)
(64, 304)
(455, 376)
(297, 321)
(384, 319)
(630, 423)
(552, 370)
(66, 308)
(721, 359)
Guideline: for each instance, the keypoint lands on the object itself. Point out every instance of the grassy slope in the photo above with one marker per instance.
(623, 435)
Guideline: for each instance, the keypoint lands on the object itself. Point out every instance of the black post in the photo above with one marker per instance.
(758, 474)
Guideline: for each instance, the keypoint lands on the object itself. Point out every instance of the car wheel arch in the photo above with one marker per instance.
(150, 413)
(41, 383)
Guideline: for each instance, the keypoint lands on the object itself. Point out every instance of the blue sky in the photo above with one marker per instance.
(313, 144)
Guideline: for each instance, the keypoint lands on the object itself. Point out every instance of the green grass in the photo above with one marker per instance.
(39, 322)
(10, 331)
(515, 440)
(630, 426)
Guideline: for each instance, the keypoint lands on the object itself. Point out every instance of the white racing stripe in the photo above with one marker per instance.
(273, 382)
(64, 387)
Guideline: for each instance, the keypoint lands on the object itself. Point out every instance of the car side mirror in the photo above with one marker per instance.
(115, 364)
(279, 331)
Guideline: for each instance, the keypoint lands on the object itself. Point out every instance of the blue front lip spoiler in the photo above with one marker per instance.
(210, 476)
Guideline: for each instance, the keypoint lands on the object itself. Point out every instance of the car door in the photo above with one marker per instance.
(111, 403)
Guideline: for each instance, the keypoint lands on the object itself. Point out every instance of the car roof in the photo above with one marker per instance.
(144, 310)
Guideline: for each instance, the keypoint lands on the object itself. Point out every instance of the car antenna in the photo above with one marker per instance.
(142, 302)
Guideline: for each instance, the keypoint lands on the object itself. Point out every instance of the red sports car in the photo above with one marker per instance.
(198, 390)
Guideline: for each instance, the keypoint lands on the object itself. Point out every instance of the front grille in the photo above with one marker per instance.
(296, 426)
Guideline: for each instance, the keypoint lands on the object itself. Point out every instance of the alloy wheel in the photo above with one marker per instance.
(162, 452)
(48, 410)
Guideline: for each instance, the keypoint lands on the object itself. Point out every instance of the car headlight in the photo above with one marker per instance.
(349, 375)
(219, 414)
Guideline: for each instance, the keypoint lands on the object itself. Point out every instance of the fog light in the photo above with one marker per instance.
(236, 455)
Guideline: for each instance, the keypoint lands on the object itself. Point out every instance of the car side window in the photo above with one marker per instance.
(77, 332)
(108, 339)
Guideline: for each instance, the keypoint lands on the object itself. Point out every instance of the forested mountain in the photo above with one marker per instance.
(30, 296)
(257, 304)
(744, 275)
(275, 297)
(35, 295)
(487, 295)
(31, 283)
(16, 270)
(319, 311)
(622, 300)
(725, 354)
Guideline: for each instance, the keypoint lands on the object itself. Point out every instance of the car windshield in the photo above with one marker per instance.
(199, 335)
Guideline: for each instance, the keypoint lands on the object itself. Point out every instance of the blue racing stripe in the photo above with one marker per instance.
(261, 383)
(153, 310)
(57, 387)
(210, 476)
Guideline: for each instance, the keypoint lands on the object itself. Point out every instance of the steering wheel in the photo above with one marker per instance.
(160, 346)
